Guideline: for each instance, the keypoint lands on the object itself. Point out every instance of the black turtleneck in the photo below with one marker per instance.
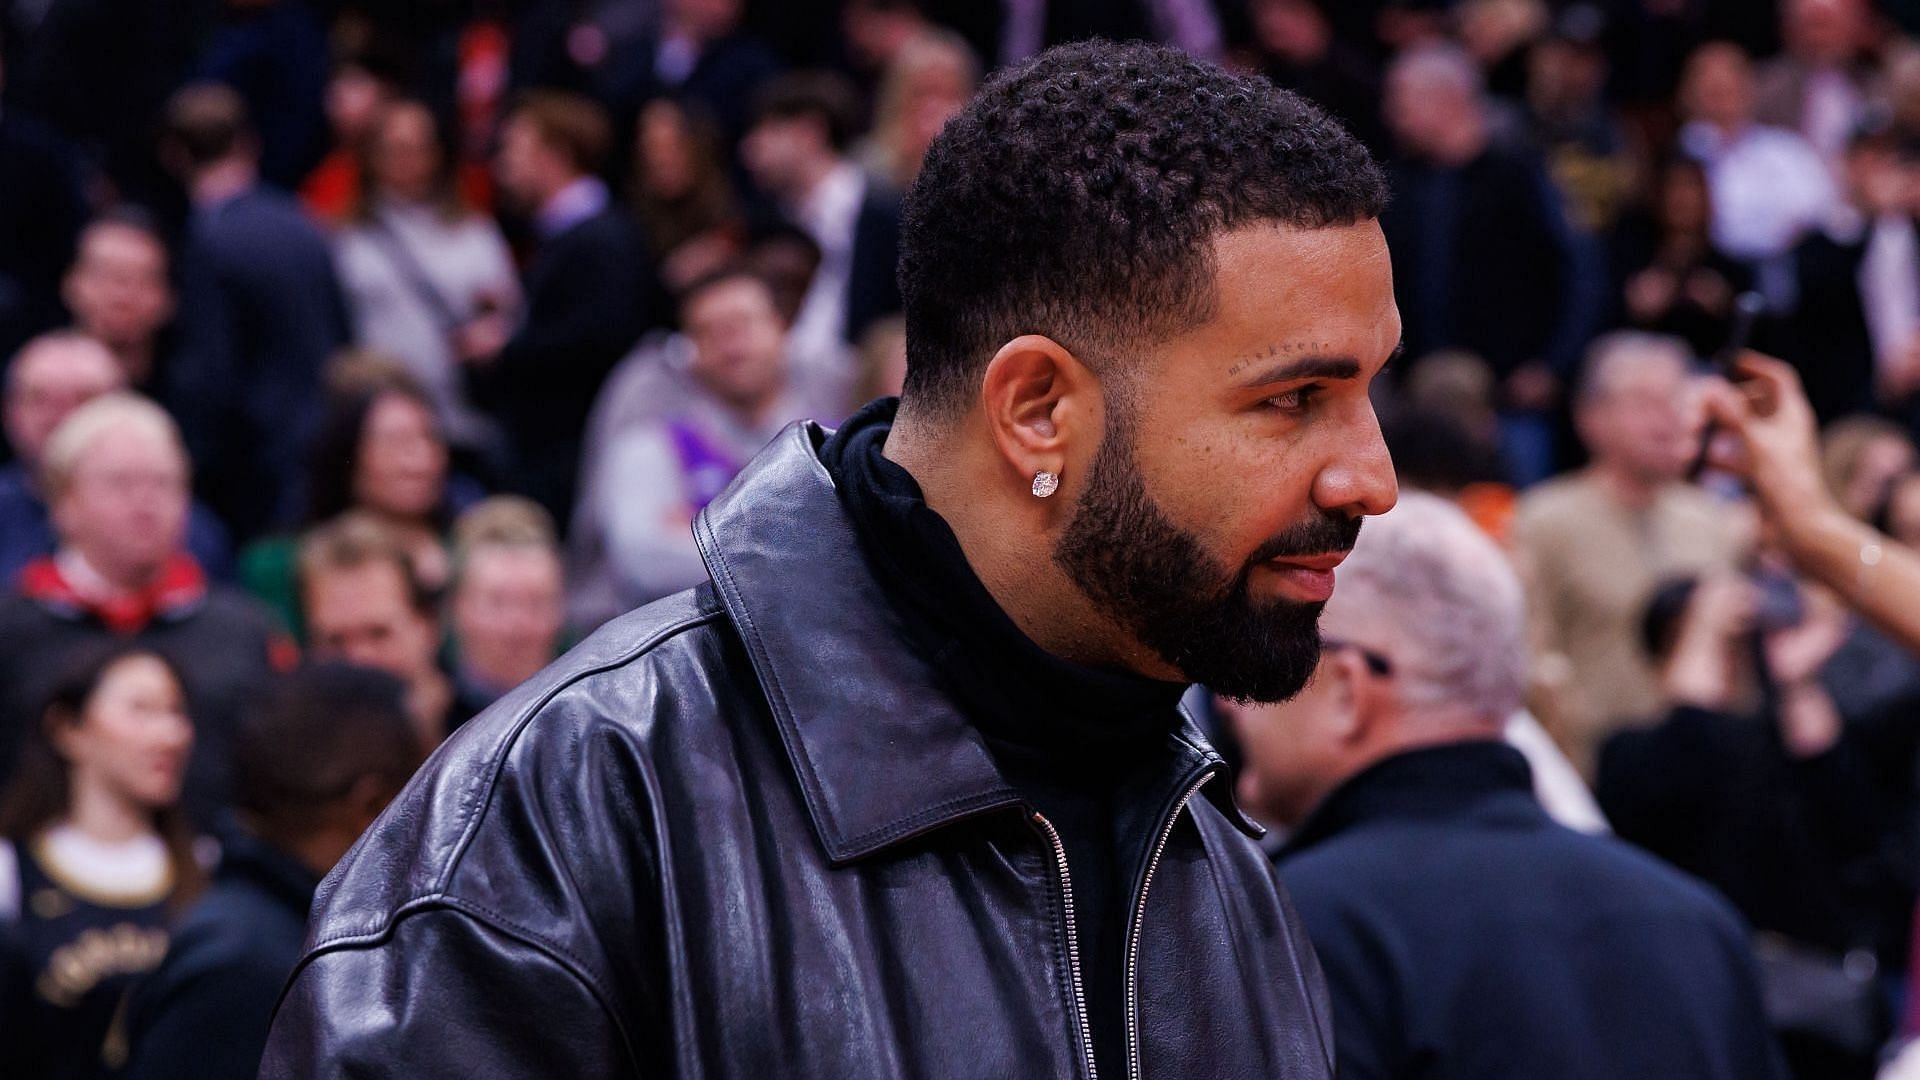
(1079, 743)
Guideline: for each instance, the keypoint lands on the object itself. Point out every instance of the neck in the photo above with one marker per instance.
(1629, 488)
(318, 851)
(222, 180)
(1008, 544)
(104, 815)
(102, 577)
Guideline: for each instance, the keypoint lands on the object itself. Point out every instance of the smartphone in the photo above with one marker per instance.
(1746, 311)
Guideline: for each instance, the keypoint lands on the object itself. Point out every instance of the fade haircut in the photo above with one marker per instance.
(1078, 196)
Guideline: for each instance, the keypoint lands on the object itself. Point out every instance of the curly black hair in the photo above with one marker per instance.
(1078, 195)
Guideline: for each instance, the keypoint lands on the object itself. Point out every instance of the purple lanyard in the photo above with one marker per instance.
(707, 471)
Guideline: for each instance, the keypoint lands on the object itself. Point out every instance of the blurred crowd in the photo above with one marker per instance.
(360, 356)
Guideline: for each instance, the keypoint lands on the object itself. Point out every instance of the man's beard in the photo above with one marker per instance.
(1157, 580)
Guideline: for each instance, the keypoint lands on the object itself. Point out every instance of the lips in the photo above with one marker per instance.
(1307, 579)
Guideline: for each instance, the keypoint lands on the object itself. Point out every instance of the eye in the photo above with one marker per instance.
(1293, 401)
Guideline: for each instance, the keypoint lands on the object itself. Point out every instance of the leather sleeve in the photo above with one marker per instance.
(448, 993)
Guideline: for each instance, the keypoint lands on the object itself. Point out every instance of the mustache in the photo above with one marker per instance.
(1314, 536)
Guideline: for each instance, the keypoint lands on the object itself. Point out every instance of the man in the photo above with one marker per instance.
(903, 789)
(589, 294)
(119, 292)
(52, 376)
(362, 602)
(508, 601)
(1768, 186)
(115, 476)
(1464, 934)
(1595, 544)
(660, 470)
(320, 755)
(796, 151)
(1821, 84)
(260, 313)
(1483, 257)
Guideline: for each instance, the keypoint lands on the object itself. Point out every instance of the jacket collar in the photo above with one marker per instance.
(1435, 783)
(882, 754)
(177, 591)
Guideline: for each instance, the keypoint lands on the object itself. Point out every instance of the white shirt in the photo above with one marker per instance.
(1768, 185)
(830, 213)
(1890, 287)
(132, 868)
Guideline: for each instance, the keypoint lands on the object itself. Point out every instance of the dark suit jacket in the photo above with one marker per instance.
(590, 293)
(1464, 934)
(260, 314)
(873, 281)
(1826, 337)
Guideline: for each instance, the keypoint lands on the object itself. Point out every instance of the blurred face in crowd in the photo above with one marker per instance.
(782, 151)
(132, 736)
(1717, 87)
(935, 91)
(1563, 76)
(1824, 32)
(1877, 181)
(1684, 204)
(739, 342)
(530, 169)
(402, 468)
(118, 289)
(1237, 462)
(1296, 752)
(507, 611)
(50, 379)
(354, 100)
(875, 33)
(364, 614)
(1636, 421)
(666, 156)
(1293, 30)
(787, 264)
(406, 153)
(706, 20)
(125, 505)
(1428, 106)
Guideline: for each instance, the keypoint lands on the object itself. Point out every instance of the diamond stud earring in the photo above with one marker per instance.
(1045, 484)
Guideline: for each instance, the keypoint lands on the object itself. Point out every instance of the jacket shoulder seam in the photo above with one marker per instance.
(479, 810)
(561, 956)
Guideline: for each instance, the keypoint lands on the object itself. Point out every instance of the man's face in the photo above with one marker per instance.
(363, 615)
(508, 610)
(125, 505)
(1639, 423)
(118, 289)
(1718, 86)
(739, 341)
(777, 149)
(48, 382)
(1239, 460)
(525, 165)
(1825, 32)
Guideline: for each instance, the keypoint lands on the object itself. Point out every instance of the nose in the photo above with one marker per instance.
(1357, 479)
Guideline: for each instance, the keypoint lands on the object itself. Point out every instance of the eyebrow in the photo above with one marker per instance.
(1311, 367)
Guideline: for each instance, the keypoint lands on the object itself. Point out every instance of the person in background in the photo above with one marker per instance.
(275, 55)
(1463, 933)
(356, 95)
(1596, 160)
(926, 82)
(683, 194)
(661, 472)
(96, 858)
(115, 477)
(120, 293)
(48, 379)
(319, 755)
(1594, 544)
(699, 55)
(428, 279)
(1483, 258)
(1673, 279)
(589, 294)
(1793, 812)
(1820, 85)
(1860, 456)
(1294, 44)
(1854, 333)
(796, 152)
(379, 452)
(363, 603)
(507, 606)
(1767, 185)
(260, 312)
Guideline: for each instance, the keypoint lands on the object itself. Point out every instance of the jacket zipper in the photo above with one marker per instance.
(1139, 921)
(1073, 942)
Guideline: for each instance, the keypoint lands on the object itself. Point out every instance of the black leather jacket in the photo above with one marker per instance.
(739, 833)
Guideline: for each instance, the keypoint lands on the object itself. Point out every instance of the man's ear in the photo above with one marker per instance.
(1348, 691)
(1042, 405)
